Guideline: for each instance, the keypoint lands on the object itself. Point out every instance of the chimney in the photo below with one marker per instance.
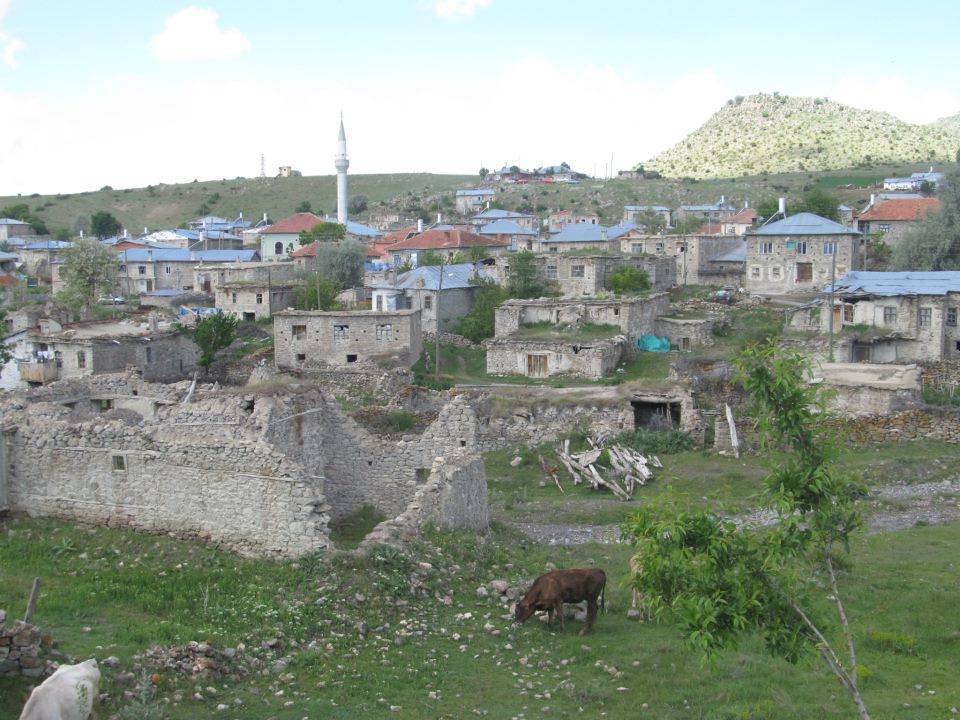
(873, 199)
(264, 217)
(81, 234)
(439, 218)
(145, 231)
(241, 214)
(603, 233)
(419, 225)
(782, 206)
(723, 199)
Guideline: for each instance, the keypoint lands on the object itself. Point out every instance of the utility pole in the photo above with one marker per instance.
(833, 287)
(436, 310)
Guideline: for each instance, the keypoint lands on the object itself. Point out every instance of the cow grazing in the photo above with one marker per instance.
(68, 694)
(551, 590)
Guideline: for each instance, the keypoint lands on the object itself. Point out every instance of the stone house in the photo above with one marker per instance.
(340, 338)
(891, 219)
(717, 211)
(208, 277)
(445, 241)
(57, 351)
(725, 268)
(38, 256)
(692, 254)
(533, 358)
(740, 223)
(280, 240)
(559, 220)
(492, 215)
(635, 213)
(11, 228)
(516, 236)
(797, 254)
(143, 270)
(889, 317)
(251, 300)
(422, 289)
(585, 236)
(471, 201)
(577, 274)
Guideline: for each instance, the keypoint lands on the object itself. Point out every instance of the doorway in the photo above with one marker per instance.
(656, 415)
(536, 365)
(804, 272)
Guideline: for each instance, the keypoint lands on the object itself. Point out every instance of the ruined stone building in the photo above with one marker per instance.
(262, 475)
(58, 351)
(448, 297)
(208, 277)
(582, 338)
(579, 274)
(891, 219)
(251, 300)
(797, 254)
(143, 270)
(340, 338)
(694, 255)
(889, 317)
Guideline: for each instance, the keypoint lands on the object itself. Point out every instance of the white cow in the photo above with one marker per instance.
(68, 694)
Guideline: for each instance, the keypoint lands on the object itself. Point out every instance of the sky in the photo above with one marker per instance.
(120, 93)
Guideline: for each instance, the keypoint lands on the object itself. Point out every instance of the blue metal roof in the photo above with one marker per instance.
(589, 232)
(738, 254)
(454, 277)
(209, 234)
(6, 256)
(804, 224)
(355, 228)
(48, 245)
(12, 221)
(505, 227)
(184, 255)
(477, 192)
(890, 284)
(652, 208)
(498, 214)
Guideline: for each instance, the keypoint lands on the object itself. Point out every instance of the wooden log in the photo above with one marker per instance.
(32, 602)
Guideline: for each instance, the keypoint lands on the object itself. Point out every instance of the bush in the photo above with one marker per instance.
(656, 442)
(400, 420)
(629, 280)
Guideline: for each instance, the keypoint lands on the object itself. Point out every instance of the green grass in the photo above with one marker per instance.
(941, 395)
(548, 331)
(350, 530)
(136, 590)
(859, 181)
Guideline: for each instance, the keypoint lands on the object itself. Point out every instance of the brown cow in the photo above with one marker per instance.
(551, 590)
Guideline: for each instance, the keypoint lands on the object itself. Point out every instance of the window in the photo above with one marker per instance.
(551, 272)
(81, 359)
(384, 333)
(233, 297)
(553, 248)
(119, 463)
(301, 357)
(889, 315)
(659, 247)
(775, 273)
(636, 247)
(926, 314)
(123, 268)
(766, 248)
(166, 269)
(952, 316)
(754, 272)
(149, 354)
(884, 227)
(340, 332)
(847, 312)
(105, 404)
(278, 248)
(351, 358)
(576, 271)
(141, 269)
(829, 248)
(801, 247)
(299, 330)
(427, 302)
(259, 298)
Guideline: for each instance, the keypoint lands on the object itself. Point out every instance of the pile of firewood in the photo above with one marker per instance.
(627, 470)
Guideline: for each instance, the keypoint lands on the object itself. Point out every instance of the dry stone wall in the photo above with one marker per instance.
(20, 645)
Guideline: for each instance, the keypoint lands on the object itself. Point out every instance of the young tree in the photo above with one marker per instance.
(819, 202)
(719, 582)
(934, 242)
(478, 324)
(341, 262)
(629, 280)
(483, 173)
(687, 225)
(5, 354)
(303, 207)
(429, 257)
(326, 232)
(212, 334)
(357, 204)
(88, 269)
(318, 293)
(522, 278)
(104, 224)
(651, 222)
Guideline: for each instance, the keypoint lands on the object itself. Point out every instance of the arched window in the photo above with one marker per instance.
(278, 248)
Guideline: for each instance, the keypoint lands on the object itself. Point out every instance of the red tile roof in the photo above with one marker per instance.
(901, 209)
(398, 235)
(447, 240)
(372, 250)
(709, 229)
(747, 215)
(296, 223)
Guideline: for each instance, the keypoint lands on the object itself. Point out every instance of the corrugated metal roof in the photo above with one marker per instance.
(478, 192)
(184, 255)
(804, 224)
(890, 284)
(454, 277)
(498, 214)
(652, 208)
(738, 254)
(12, 221)
(591, 232)
(505, 227)
(48, 245)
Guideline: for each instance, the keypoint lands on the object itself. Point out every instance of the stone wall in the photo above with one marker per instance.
(592, 360)
(255, 301)
(686, 333)
(776, 272)
(20, 646)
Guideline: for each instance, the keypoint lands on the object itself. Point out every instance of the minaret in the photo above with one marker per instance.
(342, 163)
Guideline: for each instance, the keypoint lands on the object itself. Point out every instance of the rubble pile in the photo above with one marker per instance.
(194, 660)
(20, 646)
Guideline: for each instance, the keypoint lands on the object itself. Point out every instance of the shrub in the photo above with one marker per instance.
(656, 442)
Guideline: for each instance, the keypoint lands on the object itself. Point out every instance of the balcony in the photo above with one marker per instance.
(39, 372)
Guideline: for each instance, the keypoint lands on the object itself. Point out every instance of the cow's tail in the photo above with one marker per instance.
(603, 595)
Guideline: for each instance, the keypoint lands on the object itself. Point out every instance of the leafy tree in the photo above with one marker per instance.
(5, 354)
(629, 280)
(718, 582)
(357, 204)
(687, 225)
(819, 202)
(61, 234)
(478, 324)
(325, 232)
(652, 222)
(319, 293)
(303, 207)
(429, 257)
(927, 188)
(768, 207)
(879, 254)
(212, 334)
(88, 269)
(484, 172)
(934, 242)
(341, 262)
(18, 211)
(81, 223)
(523, 280)
(104, 224)
(473, 255)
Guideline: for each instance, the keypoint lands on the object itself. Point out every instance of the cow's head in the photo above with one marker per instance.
(522, 611)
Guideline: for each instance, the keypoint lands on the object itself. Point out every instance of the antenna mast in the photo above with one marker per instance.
(263, 166)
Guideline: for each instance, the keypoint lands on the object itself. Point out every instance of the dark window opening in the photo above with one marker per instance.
(422, 475)
(301, 357)
(119, 462)
(653, 415)
(351, 358)
(105, 404)
(463, 443)
(249, 317)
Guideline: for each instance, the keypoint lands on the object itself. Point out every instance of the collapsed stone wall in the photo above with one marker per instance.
(20, 646)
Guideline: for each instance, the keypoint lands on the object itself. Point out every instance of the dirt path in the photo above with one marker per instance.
(889, 507)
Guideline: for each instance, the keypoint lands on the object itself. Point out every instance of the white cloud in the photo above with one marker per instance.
(458, 9)
(193, 34)
(9, 45)
(898, 95)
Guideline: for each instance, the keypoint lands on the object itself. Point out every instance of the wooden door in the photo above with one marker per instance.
(536, 365)
(804, 272)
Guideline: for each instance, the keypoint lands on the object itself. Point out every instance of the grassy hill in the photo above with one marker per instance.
(776, 133)
(951, 123)
(166, 206)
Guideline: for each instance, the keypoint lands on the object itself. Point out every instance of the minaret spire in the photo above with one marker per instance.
(341, 162)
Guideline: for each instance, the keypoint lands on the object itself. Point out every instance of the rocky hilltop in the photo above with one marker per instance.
(776, 133)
